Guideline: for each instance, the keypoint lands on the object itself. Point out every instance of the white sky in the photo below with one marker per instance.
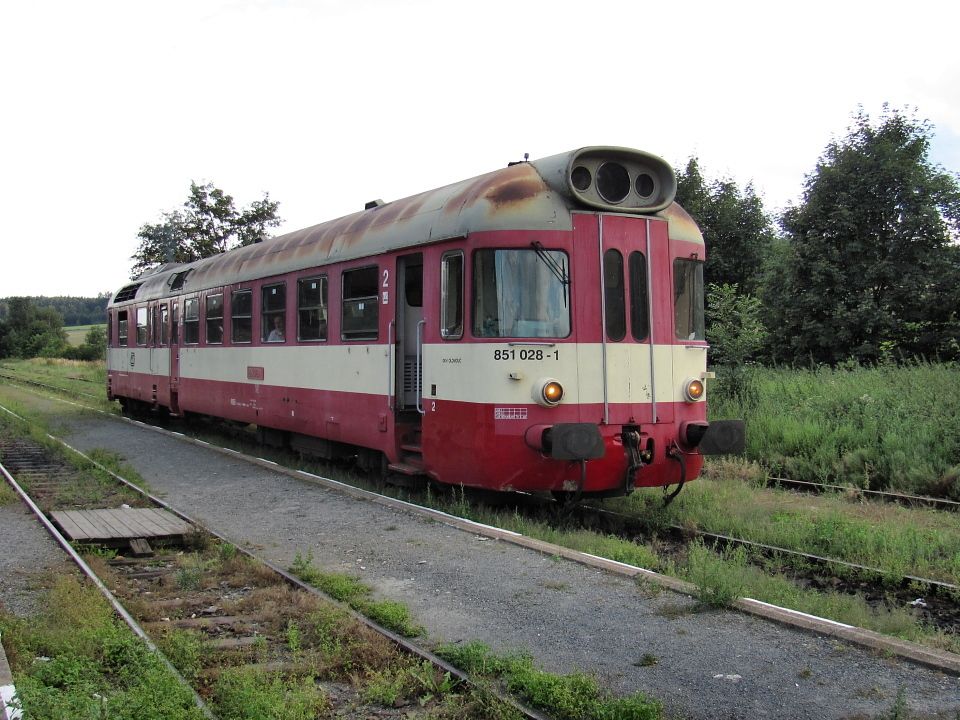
(110, 109)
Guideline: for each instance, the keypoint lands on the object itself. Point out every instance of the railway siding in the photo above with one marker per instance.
(571, 617)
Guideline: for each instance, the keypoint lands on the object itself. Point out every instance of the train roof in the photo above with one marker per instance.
(537, 195)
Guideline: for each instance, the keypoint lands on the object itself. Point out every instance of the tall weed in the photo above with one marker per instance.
(883, 427)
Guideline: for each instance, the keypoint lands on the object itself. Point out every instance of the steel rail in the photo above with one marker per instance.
(404, 643)
(884, 495)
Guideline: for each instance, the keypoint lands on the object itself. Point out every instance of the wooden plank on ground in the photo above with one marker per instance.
(119, 523)
(139, 546)
(114, 520)
(88, 529)
(67, 524)
(102, 528)
(173, 524)
(130, 522)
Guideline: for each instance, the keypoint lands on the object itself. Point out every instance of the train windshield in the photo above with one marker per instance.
(521, 293)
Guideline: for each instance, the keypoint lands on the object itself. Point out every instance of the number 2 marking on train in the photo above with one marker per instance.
(433, 407)
(386, 278)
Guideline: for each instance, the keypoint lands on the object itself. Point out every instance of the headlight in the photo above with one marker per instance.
(693, 390)
(548, 392)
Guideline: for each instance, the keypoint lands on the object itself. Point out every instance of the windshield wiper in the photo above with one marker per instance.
(558, 269)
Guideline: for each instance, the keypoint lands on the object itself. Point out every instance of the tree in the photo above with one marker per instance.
(736, 227)
(735, 333)
(734, 329)
(31, 331)
(869, 242)
(208, 224)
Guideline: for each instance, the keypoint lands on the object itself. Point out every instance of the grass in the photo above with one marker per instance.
(251, 694)
(86, 378)
(881, 427)
(76, 660)
(7, 495)
(116, 463)
(566, 697)
(349, 590)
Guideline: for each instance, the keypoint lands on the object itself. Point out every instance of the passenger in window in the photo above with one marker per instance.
(276, 335)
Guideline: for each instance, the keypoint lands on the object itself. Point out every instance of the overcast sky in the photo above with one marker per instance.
(110, 109)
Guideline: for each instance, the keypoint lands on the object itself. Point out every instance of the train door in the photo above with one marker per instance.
(409, 326)
(409, 329)
(175, 357)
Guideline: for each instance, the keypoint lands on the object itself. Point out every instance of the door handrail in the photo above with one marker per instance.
(418, 379)
(391, 366)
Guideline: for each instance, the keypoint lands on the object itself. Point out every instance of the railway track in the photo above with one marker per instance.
(862, 493)
(246, 613)
(853, 578)
(935, 601)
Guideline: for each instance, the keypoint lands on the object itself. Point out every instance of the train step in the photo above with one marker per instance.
(405, 469)
(418, 449)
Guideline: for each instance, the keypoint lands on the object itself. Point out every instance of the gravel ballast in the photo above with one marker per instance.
(462, 587)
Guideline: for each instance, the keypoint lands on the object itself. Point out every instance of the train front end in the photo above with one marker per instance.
(586, 370)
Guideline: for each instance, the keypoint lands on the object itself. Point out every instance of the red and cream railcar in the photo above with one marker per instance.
(538, 328)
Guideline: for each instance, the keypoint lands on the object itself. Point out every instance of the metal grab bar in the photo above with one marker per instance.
(391, 364)
(418, 380)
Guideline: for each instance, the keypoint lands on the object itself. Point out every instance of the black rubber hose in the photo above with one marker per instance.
(674, 453)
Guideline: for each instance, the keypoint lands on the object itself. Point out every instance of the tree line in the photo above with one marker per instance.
(73, 310)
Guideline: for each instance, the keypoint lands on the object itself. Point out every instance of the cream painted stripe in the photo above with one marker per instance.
(504, 374)
(498, 373)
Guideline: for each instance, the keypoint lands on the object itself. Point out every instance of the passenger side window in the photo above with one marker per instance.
(688, 299)
(312, 308)
(241, 312)
(164, 330)
(191, 321)
(360, 310)
(141, 326)
(122, 328)
(451, 296)
(273, 314)
(215, 319)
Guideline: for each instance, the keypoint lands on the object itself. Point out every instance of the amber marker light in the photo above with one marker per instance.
(548, 392)
(693, 390)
